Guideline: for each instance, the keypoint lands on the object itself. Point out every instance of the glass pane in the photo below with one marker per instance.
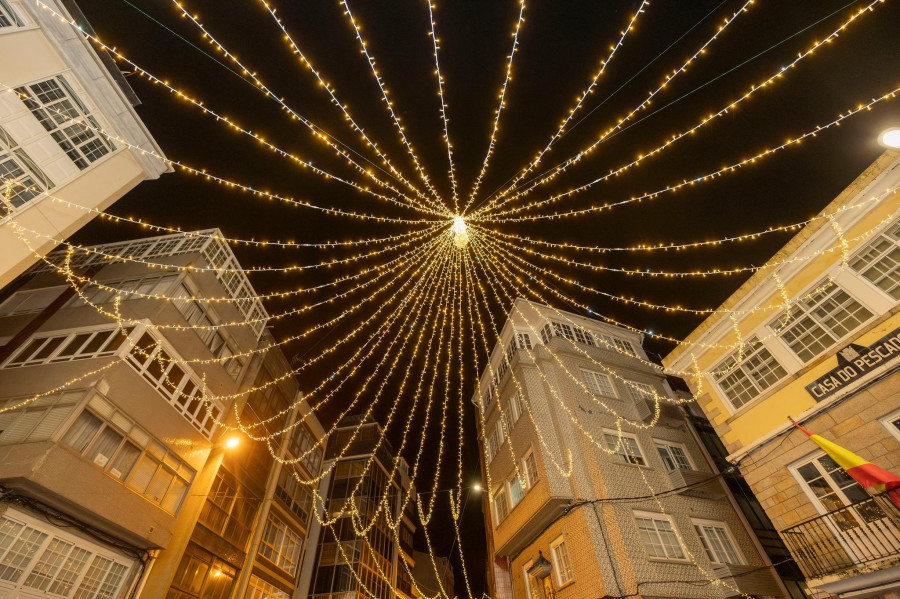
(82, 431)
(104, 447)
(125, 461)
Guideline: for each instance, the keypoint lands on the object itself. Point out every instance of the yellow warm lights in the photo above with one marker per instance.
(420, 309)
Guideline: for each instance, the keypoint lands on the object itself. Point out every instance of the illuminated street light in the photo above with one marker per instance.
(890, 138)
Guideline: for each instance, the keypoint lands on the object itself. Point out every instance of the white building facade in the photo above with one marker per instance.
(57, 98)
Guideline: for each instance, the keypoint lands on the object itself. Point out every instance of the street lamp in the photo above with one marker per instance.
(232, 442)
(890, 138)
(477, 488)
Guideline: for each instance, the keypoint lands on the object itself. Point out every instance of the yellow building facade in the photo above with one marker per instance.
(813, 335)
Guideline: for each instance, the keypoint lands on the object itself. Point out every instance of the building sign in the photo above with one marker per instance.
(854, 362)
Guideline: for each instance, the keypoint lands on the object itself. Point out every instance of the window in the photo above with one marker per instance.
(816, 323)
(102, 292)
(717, 542)
(25, 179)
(616, 344)
(625, 448)
(642, 391)
(892, 423)
(296, 496)
(183, 391)
(832, 489)
(67, 119)
(561, 329)
(205, 321)
(531, 471)
(659, 536)
(743, 382)
(562, 564)
(501, 505)
(31, 300)
(76, 345)
(111, 441)
(302, 441)
(281, 545)
(516, 493)
(493, 444)
(38, 420)
(201, 575)
(879, 262)
(260, 589)
(47, 560)
(516, 406)
(8, 17)
(597, 383)
(673, 456)
(230, 509)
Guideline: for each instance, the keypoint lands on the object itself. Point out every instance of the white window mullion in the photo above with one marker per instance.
(866, 294)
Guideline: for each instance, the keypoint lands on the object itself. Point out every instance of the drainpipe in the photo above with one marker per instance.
(138, 586)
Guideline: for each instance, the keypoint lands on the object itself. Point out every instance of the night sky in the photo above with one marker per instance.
(561, 43)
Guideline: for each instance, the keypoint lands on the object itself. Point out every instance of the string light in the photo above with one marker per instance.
(435, 42)
(581, 98)
(332, 94)
(729, 107)
(426, 297)
(387, 102)
(699, 179)
(495, 127)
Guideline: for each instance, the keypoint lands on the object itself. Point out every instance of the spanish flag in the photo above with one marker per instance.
(867, 474)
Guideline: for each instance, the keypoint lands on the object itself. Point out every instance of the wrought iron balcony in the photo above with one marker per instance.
(861, 534)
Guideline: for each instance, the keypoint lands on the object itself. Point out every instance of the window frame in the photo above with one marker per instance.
(888, 422)
(168, 460)
(698, 524)
(625, 458)
(858, 255)
(51, 533)
(530, 454)
(22, 293)
(281, 558)
(587, 373)
(655, 517)
(502, 493)
(9, 11)
(510, 482)
(835, 287)
(66, 133)
(747, 376)
(556, 543)
(67, 336)
(668, 445)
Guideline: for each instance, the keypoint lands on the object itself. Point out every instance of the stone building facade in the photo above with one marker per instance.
(578, 508)
(830, 363)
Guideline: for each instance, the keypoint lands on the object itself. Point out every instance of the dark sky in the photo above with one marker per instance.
(561, 44)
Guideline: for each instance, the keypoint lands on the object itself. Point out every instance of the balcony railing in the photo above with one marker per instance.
(847, 538)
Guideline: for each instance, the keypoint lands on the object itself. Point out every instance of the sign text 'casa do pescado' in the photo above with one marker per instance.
(854, 362)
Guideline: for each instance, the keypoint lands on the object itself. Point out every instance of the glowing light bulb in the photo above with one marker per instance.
(890, 137)
(233, 442)
(460, 232)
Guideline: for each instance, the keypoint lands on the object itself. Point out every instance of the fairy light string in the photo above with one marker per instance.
(422, 302)
(730, 107)
(580, 99)
(502, 199)
(389, 105)
(329, 88)
(501, 104)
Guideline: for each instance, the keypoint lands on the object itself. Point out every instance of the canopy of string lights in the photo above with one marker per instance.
(408, 252)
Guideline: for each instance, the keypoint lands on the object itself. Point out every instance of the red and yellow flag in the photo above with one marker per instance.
(866, 473)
